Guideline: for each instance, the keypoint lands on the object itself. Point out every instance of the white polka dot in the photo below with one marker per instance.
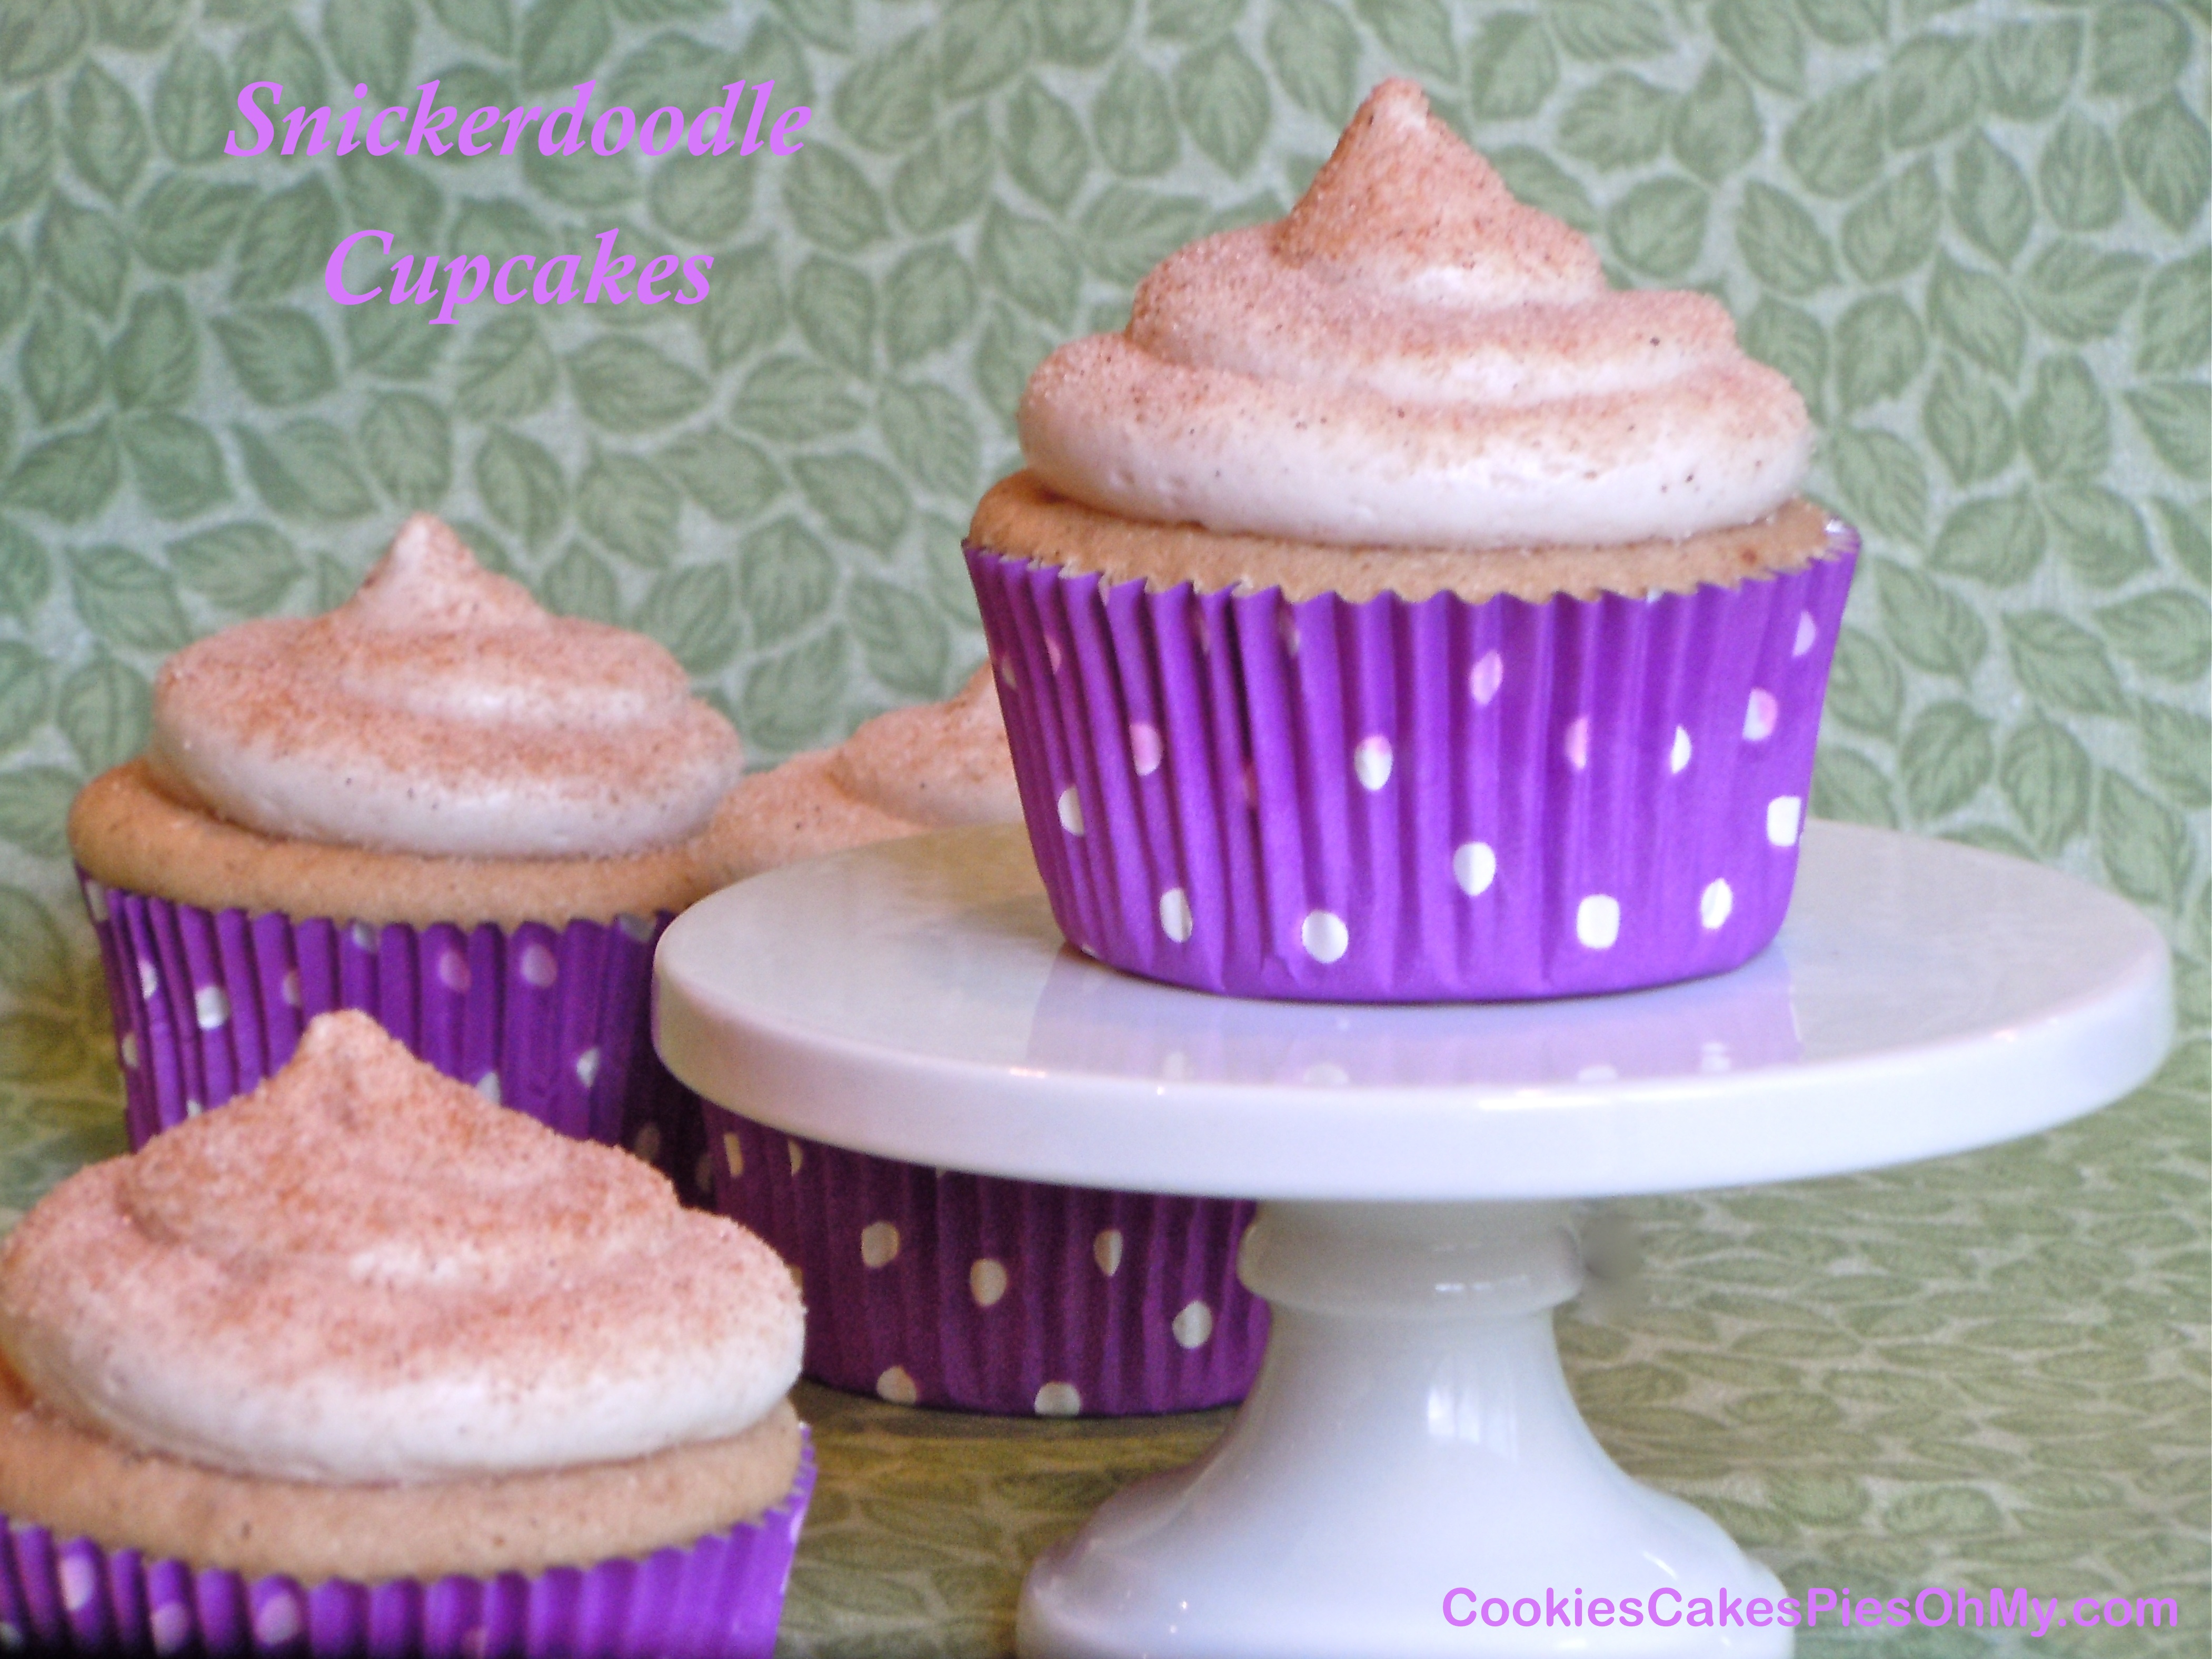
(1808, 631)
(1371, 761)
(538, 966)
(1007, 672)
(1059, 1400)
(896, 1386)
(1194, 1325)
(1325, 936)
(1175, 915)
(289, 987)
(1486, 677)
(733, 1153)
(95, 901)
(172, 1627)
(1759, 715)
(797, 1153)
(987, 1282)
(364, 936)
(453, 972)
(193, 1109)
(1597, 921)
(1713, 1057)
(1714, 904)
(1071, 810)
(1286, 629)
(646, 1145)
(587, 1067)
(1106, 1251)
(278, 1620)
(1783, 814)
(879, 1244)
(130, 1047)
(1576, 745)
(1600, 1073)
(487, 1086)
(150, 979)
(211, 1007)
(634, 926)
(1678, 756)
(1146, 749)
(1053, 655)
(1474, 866)
(80, 1583)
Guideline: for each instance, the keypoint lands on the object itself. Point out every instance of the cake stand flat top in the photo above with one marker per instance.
(914, 1000)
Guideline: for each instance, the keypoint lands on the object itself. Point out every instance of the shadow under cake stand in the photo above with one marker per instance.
(1410, 1434)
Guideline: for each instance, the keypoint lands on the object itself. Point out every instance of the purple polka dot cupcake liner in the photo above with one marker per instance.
(932, 1287)
(551, 1021)
(1397, 800)
(719, 1597)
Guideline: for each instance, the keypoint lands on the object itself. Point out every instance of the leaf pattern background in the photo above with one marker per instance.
(1974, 234)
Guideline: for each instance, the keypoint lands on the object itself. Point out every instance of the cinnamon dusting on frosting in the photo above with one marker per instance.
(1401, 197)
(938, 765)
(1412, 358)
(365, 1270)
(440, 711)
(932, 767)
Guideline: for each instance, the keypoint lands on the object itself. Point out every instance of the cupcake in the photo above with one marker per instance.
(1394, 612)
(437, 804)
(363, 1363)
(937, 1288)
(939, 766)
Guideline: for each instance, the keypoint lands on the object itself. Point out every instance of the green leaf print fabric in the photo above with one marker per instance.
(1973, 233)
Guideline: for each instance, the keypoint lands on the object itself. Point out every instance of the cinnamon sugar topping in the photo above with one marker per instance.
(365, 1270)
(936, 766)
(1412, 358)
(440, 711)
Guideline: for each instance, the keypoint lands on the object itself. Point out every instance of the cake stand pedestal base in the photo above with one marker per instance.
(1409, 1459)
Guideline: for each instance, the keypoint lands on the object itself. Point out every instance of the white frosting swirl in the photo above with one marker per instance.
(938, 765)
(364, 1271)
(440, 711)
(1412, 358)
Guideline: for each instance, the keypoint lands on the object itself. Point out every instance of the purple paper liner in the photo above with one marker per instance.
(1396, 800)
(932, 1287)
(551, 1021)
(719, 1597)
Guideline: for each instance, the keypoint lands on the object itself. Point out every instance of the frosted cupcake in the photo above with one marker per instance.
(1394, 612)
(936, 1288)
(936, 766)
(364, 1363)
(438, 804)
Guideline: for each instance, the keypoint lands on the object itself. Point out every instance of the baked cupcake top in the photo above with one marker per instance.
(441, 712)
(364, 1271)
(936, 766)
(1411, 358)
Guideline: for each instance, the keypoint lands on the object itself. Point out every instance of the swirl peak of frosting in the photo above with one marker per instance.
(938, 765)
(364, 1271)
(1411, 357)
(440, 711)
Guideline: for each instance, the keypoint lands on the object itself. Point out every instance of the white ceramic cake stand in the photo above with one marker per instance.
(1410, 1434)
